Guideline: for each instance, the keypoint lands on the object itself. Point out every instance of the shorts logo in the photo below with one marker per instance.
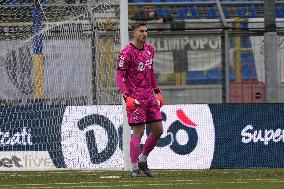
(135, 117)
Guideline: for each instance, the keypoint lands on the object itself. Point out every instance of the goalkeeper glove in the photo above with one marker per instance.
(130, 102)
(159, 97)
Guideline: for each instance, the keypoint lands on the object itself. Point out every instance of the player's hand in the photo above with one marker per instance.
(130, 102)
(160, 99)
(159, 96)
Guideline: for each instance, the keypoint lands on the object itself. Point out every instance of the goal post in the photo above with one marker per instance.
(124, 38)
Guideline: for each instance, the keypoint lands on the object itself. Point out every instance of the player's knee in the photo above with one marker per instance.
(158, 133)
(139, 133)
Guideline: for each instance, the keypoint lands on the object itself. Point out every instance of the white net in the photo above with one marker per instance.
(59, 53)
(55, 58)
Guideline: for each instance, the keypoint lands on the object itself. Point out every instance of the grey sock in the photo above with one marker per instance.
(135, 166)
(142, 158)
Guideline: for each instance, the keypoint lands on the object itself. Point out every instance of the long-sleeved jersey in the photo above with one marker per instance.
(135, 74)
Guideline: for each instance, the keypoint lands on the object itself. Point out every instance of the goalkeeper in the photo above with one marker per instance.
(136, 80)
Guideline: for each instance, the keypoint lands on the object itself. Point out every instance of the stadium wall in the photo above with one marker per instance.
(196, 136)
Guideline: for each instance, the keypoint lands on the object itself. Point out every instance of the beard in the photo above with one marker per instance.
(142, 39)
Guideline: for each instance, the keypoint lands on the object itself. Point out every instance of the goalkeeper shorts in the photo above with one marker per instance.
(146, 112)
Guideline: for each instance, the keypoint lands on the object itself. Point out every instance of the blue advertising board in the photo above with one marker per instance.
(248, 135)
(32, 128)
(198, 136)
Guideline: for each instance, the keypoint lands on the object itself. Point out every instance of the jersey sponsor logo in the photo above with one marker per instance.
(141, 67)
(121, 61)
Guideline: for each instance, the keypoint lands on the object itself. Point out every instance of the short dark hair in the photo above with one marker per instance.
(137, 24)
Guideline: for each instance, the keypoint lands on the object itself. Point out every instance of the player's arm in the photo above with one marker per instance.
(121, 74)
(156, 88)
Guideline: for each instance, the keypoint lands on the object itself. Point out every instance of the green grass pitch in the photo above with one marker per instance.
(163, 179)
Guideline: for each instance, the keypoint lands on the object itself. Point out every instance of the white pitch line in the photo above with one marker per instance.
(110, 186)
(57, 172)
(53, 172)
(141, 182)
(256, 179)
(133, 185)
(109, 177)
(59, 183)
(79, 183)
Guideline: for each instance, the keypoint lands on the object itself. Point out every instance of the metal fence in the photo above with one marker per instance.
(191, 50)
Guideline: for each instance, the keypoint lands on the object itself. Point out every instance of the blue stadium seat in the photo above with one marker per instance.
(212, 12)
(163, 11)
(226, 12)
(182, 0)
(181, 13)
(279, 12)
(229, 0)
(154, 1)
(246, 12)
(14, 2)
(11, 2)
(187, 13)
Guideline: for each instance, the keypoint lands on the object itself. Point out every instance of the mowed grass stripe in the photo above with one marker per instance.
(218, 178)
(144, 183)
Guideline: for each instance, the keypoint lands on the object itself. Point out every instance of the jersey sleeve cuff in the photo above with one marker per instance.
(157, 90)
